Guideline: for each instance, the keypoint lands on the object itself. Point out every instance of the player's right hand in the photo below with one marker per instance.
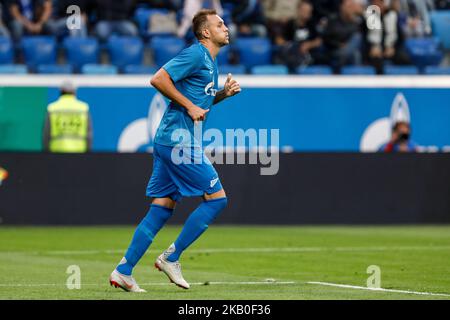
(197, 113)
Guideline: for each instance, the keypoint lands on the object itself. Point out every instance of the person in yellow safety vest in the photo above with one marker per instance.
(68, 124)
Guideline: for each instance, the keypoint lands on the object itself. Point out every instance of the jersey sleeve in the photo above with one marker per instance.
(183, 65)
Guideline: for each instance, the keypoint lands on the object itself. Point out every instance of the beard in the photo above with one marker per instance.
(223, 42)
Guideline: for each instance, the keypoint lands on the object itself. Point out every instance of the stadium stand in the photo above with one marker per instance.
(269, 70)
(424, 51)
(440, 22)
(139, 69)
(99, 69)
(6, 51)
(392, 70)
(232, 68)
(54, 69)
(165, 48)
(125, 51)
(144, 18)
(224, 55)
(81, 51)
(433, 70)
(358, 70)
(157, 43)
(39, 50)
(254, 51)
(315, 70)
(13, 69)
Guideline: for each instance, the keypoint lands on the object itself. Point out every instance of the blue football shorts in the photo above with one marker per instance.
(181, 172)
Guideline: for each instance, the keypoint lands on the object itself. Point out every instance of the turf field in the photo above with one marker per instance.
(233, 263)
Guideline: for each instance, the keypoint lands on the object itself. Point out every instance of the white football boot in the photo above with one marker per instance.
(127, 283)
(171, 269)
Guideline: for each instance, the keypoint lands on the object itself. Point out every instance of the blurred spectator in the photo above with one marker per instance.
(415, 15)
(342, 36)
(115, 17)
(324, 8)
(172, 5)
(278, 13)
(442, 4)
(299, 40)
(280, 10)
(303, 31)
(385, 40)
(400, 139)
(163, 22)
(248, 16)
(191, 7)
(68, 125)
(58, 23)
(28, 17)
(4, 32)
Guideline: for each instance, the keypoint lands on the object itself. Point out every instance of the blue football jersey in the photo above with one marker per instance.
(195, 74)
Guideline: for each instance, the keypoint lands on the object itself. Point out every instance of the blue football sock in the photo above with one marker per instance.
(143, 237)
(196, 224)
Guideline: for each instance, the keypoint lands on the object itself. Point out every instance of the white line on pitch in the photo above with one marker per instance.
(157, 284)
(226, 283)
(376, 289)
(243, 250)
(242, 283)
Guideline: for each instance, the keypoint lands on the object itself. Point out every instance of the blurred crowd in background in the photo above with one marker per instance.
(288, 35)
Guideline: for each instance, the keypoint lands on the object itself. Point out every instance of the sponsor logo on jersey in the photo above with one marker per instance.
(209, 89)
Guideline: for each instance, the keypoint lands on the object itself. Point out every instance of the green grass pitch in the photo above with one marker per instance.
(232, 262)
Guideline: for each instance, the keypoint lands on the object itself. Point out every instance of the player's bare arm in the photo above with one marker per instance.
(231, 88)
(163, 83)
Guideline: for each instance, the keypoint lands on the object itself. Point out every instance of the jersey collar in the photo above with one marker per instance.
(205, 49)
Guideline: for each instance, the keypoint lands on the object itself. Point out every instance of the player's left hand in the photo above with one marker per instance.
(231, 87)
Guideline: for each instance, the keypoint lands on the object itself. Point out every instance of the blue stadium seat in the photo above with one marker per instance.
(81, 51)
(315, 70)
(358, 70)
(434, 70)
(6, 51)
(232, 68)
(140, 69)
(424, 51)
(99, 69)
(229, 6)
(142, 16)
(269, 70)
(440, 23)
(223, 56)
(125, 50)
(54, 69)
(13, 69)
(39, 50)
(165, 48)
(227, 16)
(400, 70)
(254, 51)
